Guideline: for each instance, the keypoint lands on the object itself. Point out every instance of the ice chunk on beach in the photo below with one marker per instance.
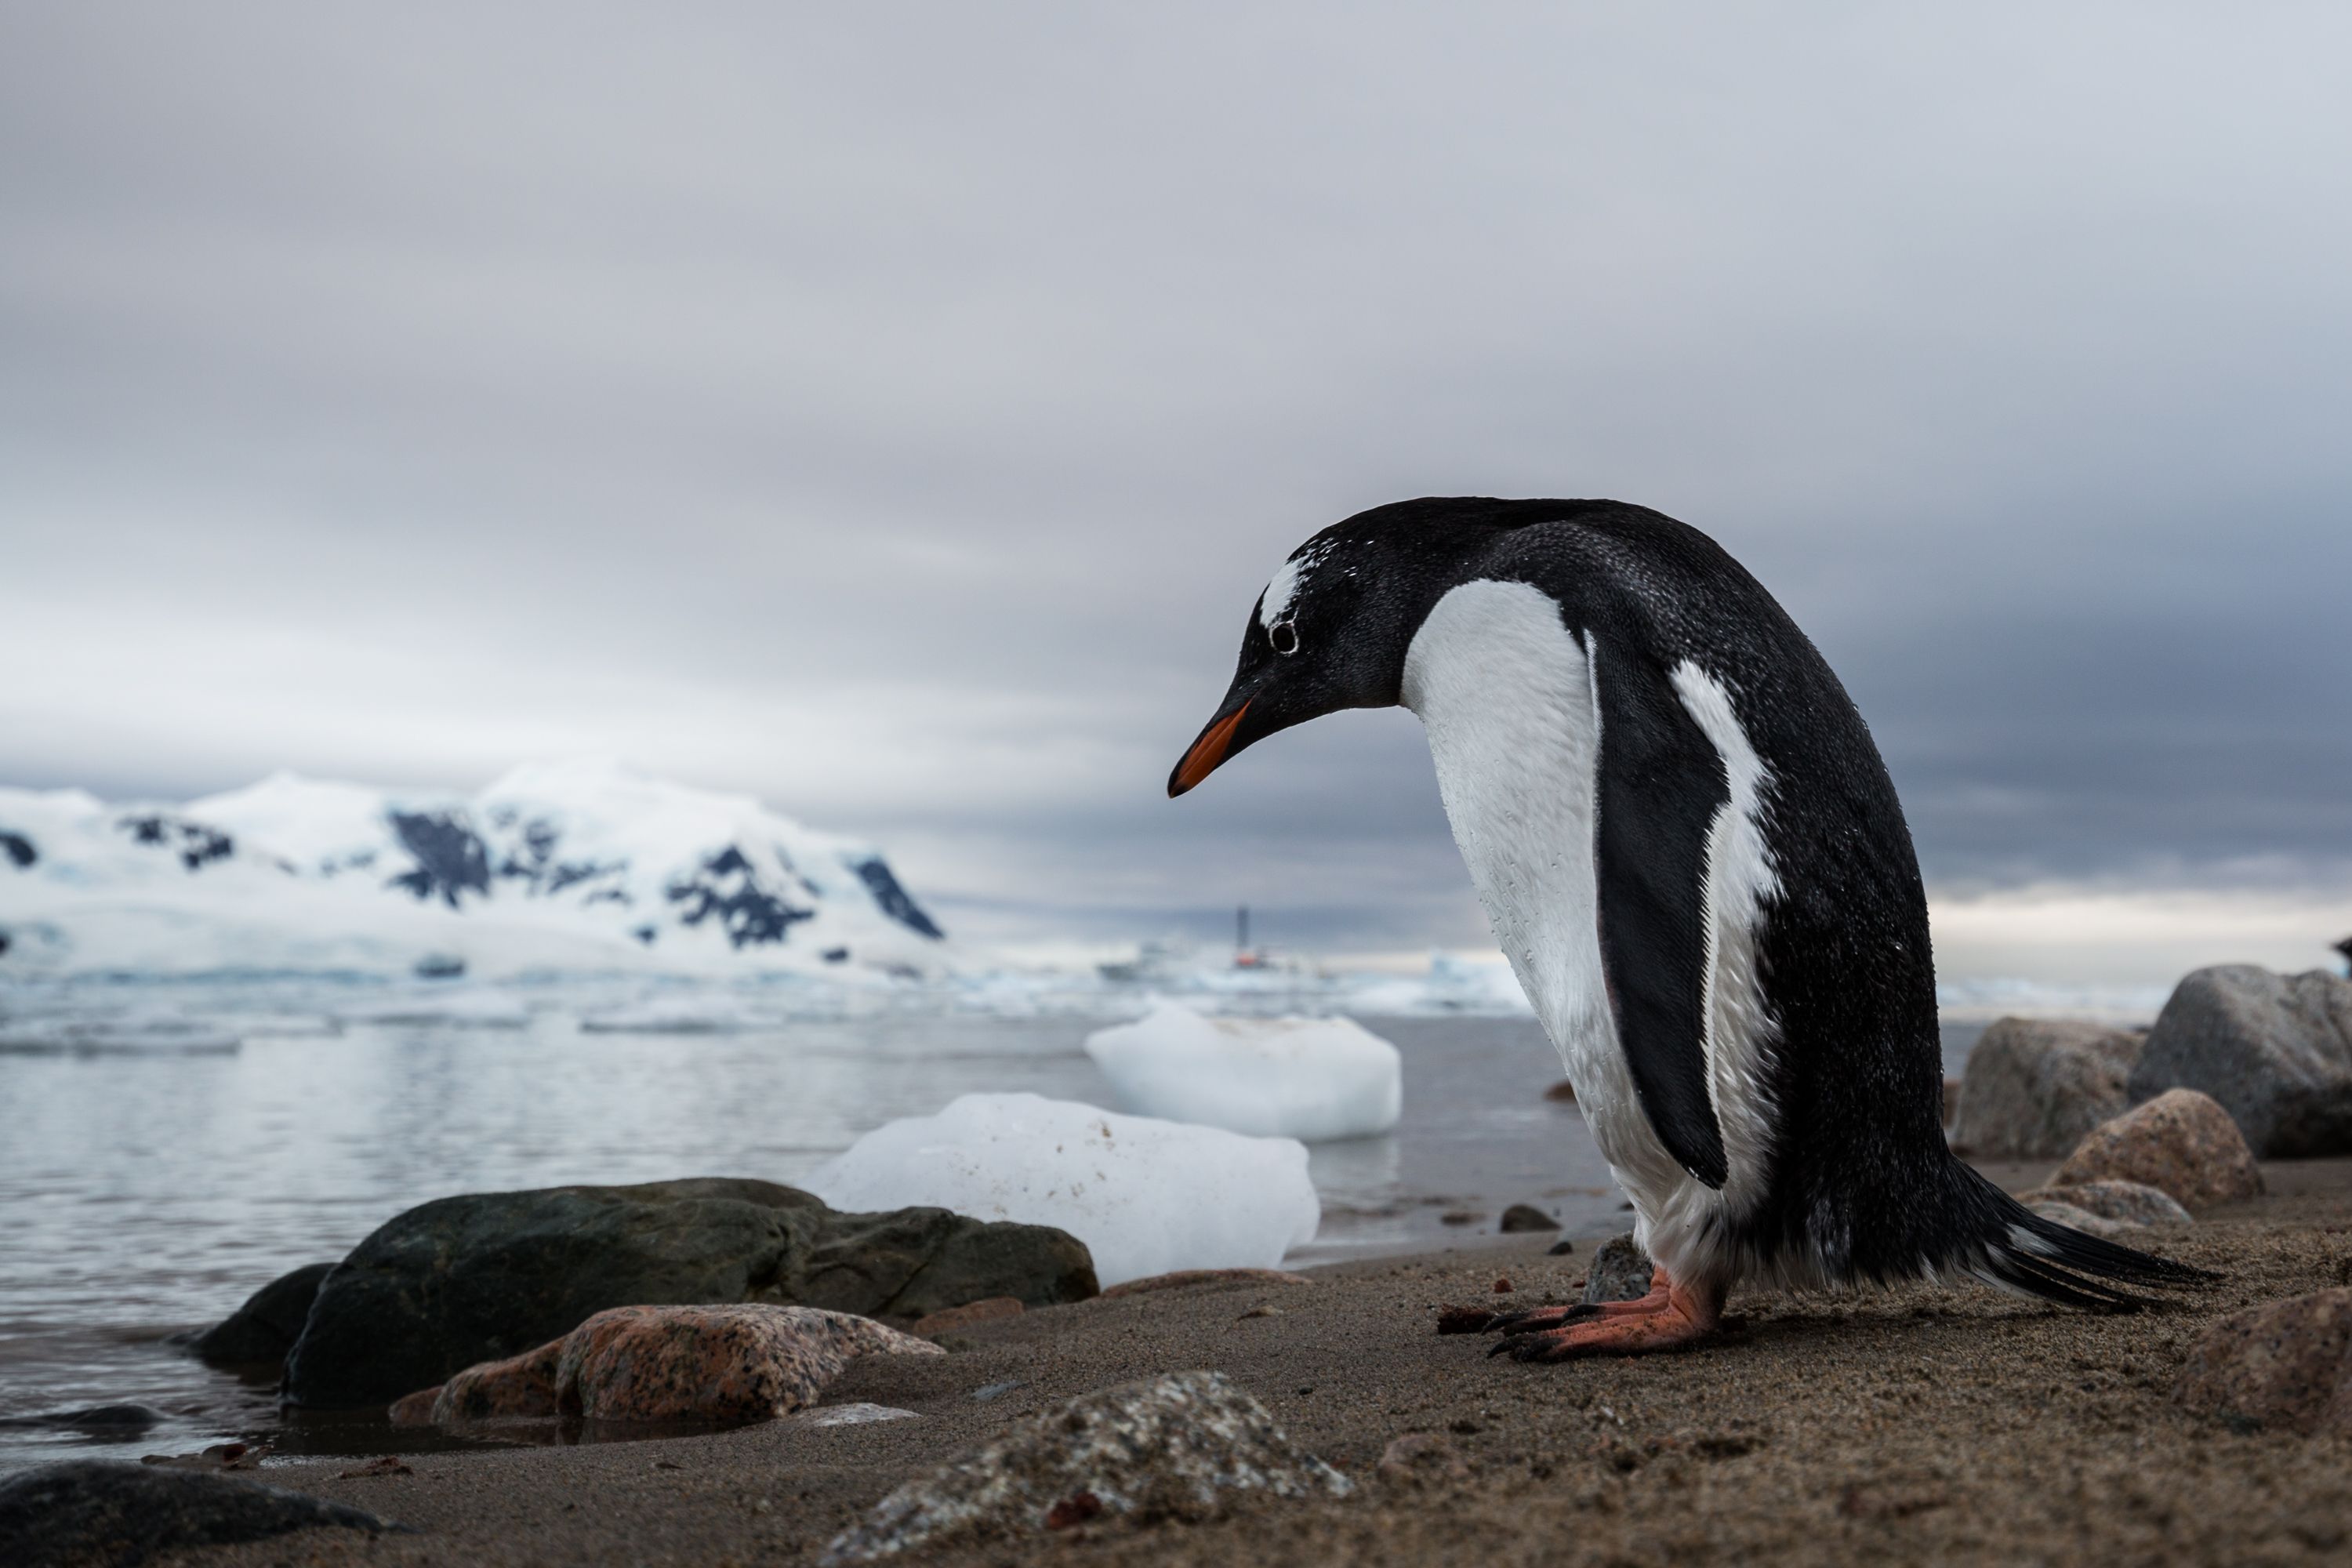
(1312, 1078)
(1146, 1196)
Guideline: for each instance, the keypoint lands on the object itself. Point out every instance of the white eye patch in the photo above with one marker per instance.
(1282, 590)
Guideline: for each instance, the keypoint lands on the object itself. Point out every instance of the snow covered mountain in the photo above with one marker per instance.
(561, 867)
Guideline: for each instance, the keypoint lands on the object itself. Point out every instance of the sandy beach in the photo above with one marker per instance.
(1950, 1425)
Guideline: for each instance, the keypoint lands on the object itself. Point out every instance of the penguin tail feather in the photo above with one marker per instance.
(2019, 1251)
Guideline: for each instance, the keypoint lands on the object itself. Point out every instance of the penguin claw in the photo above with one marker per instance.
(1543, 1319)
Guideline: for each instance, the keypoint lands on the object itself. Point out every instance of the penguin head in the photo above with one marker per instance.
(1331, 628)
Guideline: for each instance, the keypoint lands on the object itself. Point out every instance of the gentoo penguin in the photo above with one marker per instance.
(1692, 854)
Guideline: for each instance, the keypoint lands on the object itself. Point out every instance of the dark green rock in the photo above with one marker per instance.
(260, 1332)
(473, 1278)
(95, 1514)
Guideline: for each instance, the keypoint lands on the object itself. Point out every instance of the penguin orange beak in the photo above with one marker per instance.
(1206, 752)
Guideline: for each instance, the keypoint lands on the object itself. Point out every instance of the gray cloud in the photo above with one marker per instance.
(894, 412)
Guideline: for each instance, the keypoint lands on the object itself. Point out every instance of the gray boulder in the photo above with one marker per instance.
(94, 1514)
(462, 1280)
(2034, 1086)
(260, 1332)
(2275, 1049)
(2126, 1203)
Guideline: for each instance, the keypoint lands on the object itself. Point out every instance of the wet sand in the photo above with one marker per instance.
(1922, 1424)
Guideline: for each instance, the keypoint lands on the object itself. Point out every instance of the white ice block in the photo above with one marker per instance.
(1311, 1078)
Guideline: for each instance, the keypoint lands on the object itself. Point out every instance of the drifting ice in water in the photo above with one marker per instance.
(1316, 1078)
(1145, 1196)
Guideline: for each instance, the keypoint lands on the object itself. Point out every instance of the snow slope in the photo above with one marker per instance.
(570, 866)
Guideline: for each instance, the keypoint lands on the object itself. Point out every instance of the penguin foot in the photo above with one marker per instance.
(1669, 1317)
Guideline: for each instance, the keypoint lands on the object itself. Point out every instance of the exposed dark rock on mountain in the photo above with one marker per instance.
(450, 858)
(893, 898)
(18, 848)
(197, 843)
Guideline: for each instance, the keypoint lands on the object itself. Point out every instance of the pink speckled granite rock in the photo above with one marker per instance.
(2181, 1143)
(415, 1409)
(735, 1362)
(519, 1388)
(2287, 1364)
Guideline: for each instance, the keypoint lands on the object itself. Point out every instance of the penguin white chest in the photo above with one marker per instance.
(1510, 697)
(1505, 692)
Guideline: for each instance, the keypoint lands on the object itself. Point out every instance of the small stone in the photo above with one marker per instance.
(385, 1465)
(218, 1456)
(415, 1409)
(1458, 1218)
(1561, 1093)
(1503, 1287)
(851, 1414)
(99, 1511)
(987, 1391)
(1174, 1445)
(2083, 1220)
(2181, 1143)
(2127, 1202)
(1185, 1277)
(971, 1312)
(1418, 1459)
(1526, 1217)
(1621, 1272)
(2284, 1365)
(1560, 1248)
(1260, 1310)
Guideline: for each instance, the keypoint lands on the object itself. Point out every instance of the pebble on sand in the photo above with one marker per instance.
(2181, 1143)
(99, 1511)
(949, 1319)
(2287, 1364)
(1185, 1277)
(1526, 1217)
(1174, 1443)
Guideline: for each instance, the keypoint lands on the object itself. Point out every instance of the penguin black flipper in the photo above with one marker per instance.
(1661, 787)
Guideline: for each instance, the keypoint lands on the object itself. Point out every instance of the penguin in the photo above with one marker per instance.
(1692, 854)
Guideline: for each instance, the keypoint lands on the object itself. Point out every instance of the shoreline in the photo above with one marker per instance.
(1915, 1422)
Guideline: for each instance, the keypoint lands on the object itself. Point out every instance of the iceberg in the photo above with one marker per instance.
(1317, 1080)
(1146, 1196)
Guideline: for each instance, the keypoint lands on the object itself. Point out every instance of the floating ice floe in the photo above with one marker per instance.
(687, 1015)
(1146, 1196)
(1312, 1078)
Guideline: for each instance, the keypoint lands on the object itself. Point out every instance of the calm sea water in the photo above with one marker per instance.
(161, 1163)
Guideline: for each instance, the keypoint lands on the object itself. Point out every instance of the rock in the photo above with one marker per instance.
(1621, 1272)
(2283, 1365)
(1458, 1216)
(971, 1312)
(1184, 1278)
(2126, 1203)
(2083, 1220)
(1172, 1445)
(1526, 1217)
(219, 1457)
(2180, 1142)
(2034, 1086)
(462, 1280)
(852, 1414)
(1418, 1459)
(2275, 1049)
(725, 1363)
(519, 1388)
(414, 1409)
(260, 1332)
(1561, 1093)
(95, 1512)
(1560, 1248)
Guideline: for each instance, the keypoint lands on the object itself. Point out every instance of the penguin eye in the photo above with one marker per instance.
(1283, 636)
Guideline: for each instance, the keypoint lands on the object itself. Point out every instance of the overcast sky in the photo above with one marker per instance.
(895, 410)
